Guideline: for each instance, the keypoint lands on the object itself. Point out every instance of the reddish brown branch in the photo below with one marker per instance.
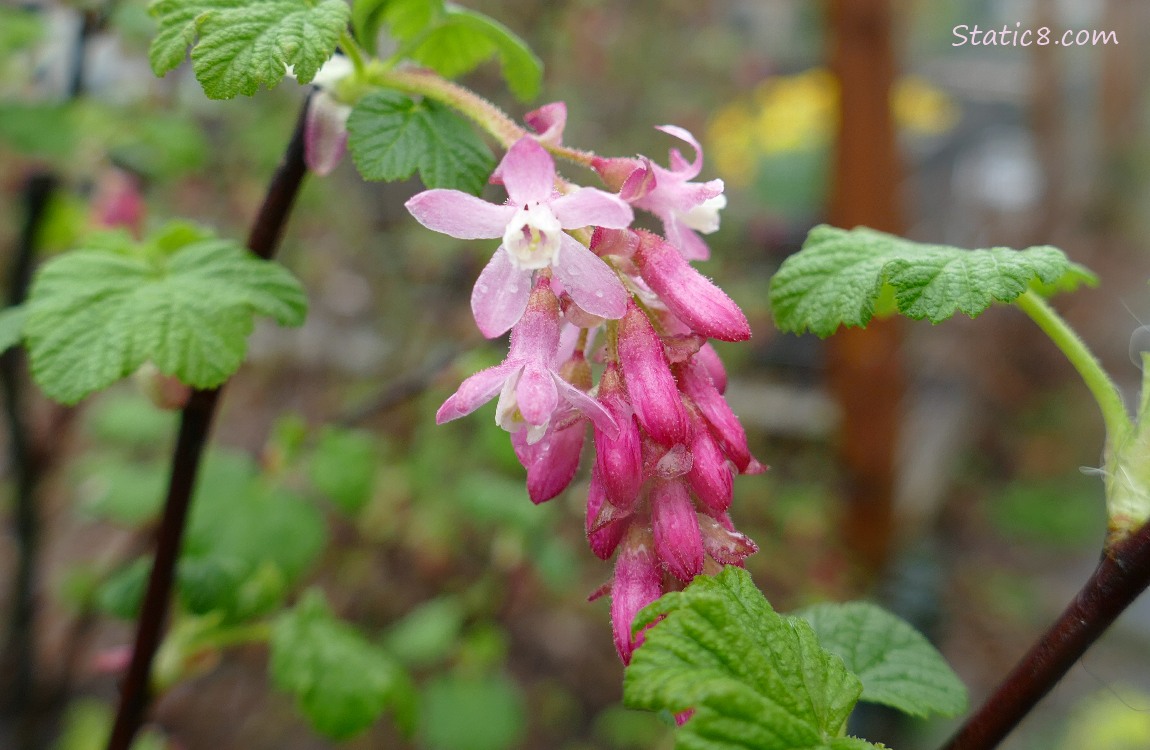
(193, 436)
(1121, 576)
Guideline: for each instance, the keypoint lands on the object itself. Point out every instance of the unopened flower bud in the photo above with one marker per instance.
(637, 584)
(618, 460)
(725, 546)
(676, 528)
(551, 462)
(606, 524)
(711, 476)
(692, 297)
(650, 385)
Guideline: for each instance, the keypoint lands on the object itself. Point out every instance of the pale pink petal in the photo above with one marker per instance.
(586, 207)
(459, 215)
(678, 163)
(476, 391)
(591, 408)
(685, 239)
(528, 173)
(536, 395)
(548, 122)
(589, 280)
(500, 295)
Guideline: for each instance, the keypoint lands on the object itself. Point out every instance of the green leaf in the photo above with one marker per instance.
(44, 130)
(405, 19)
(472, 713)
(342, 682)
(235, 559)
(428, 633)
(839, 275)
(465, 39)
(343, 467)
(757, 680)
(391, 136)
(239, 45)
(96, 315)
(12, 326)
(897, 666)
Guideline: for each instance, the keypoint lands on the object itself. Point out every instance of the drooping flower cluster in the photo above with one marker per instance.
(667, 445)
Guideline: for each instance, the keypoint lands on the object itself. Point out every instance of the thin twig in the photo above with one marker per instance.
(194, 426)
(1121, 576)
(20, 647)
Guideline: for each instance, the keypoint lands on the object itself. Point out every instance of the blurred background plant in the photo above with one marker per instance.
(466, 598)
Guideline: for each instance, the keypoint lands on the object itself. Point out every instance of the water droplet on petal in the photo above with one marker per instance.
(599, 293)
(481, 288)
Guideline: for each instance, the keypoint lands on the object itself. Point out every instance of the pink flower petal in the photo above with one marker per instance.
(685, 239)
(500, 295)
(589, 280)
(476, 391)
(650, 385)
(528, 173)
(637, 584)
(535, 337)
(459, 215)
(590, 408)
(548, 122)
(536, 395)
(606, 525)
(678, 164)
(586, 207)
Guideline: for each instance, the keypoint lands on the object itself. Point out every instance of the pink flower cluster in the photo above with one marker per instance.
(667, 445)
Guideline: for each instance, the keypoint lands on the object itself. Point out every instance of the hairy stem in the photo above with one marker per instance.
(193, 436)
(1117, 421)
(1121, 575)
(480, 111)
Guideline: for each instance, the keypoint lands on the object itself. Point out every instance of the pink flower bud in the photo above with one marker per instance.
(709, 359)
(711, 476)
(637, 584)
(548, 122)
(325, 133)
(687, 293)
(725, 546)
(606, 524)
(551, 462)
(725, 426)
(615, 171)
(619, 460)
(621, 242)
(650, 385)
(676, 527)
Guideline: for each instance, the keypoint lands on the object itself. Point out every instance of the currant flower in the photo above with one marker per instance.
(531, 224)
(527, 382)
(685, 207)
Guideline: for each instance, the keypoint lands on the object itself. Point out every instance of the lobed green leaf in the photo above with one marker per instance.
(97, 314)
(392, 136)
(755, 679)
(12, 322)
(240, 45)
(897, 666)
(342, 682)
(839, 276)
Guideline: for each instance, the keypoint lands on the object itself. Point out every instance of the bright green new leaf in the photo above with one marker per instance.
(756, 680)
(391, 136)
(97, 314)
(465, 39)
(450, 40)
(839, 275)
(342, 682)
(897, 666)
(239, 45)
(405, 19)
